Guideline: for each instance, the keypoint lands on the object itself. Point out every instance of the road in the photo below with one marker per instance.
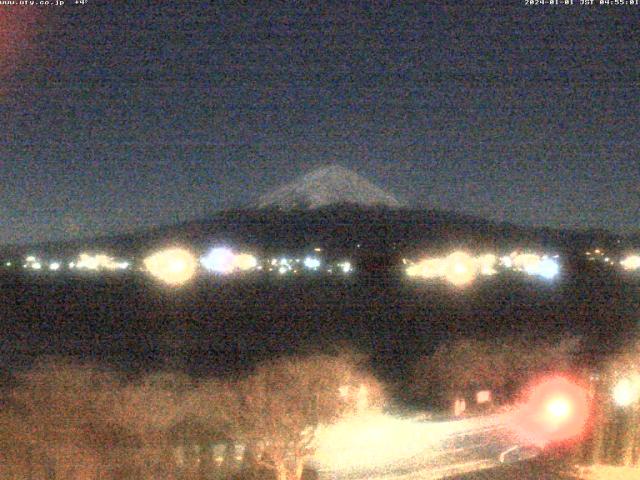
(384, 447)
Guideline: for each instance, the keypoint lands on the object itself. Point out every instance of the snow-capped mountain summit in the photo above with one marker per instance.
(328, 185)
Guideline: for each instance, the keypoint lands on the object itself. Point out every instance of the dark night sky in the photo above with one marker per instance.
(115, 117)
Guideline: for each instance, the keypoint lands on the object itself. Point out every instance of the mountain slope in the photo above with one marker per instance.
(328, 186)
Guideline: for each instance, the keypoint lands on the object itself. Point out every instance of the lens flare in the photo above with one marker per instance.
(219, 260)
(173, 266)
(557, 410)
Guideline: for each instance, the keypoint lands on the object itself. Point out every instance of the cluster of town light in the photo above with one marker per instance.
(533, 264)
(84, 261)
(598, 255)
(32, 263)
(175, 266)
(629, 263)
(310, 263)
(458, 268)
(461, 268)
(100, 261)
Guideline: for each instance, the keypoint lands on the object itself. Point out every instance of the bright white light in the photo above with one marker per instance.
(346, 267)
(36, 265)
(506, 261)
(626, 392)
(311, 263)
(483, 396)
(283, 270)
(559, 409)
(88, 262)
(8, 264)
(413, 270)
(30, 258)
(72, 265)
(219, 260)
(632, 262)
(54, 266)
(547, 268)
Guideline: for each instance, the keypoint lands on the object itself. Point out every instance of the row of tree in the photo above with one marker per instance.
(61, 420)
(504, 366)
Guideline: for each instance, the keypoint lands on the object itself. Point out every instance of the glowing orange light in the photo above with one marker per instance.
(430, 268)
(487, 263)
(413, 270)
(557, 410)
(526, 261)
(173, 266)
(245, 261)
(460, 268)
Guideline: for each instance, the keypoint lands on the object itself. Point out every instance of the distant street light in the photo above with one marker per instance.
(626, 391)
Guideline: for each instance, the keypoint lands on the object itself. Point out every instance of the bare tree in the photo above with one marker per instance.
(283, 402)
(210, 410)
(146, 412)
(60, 429)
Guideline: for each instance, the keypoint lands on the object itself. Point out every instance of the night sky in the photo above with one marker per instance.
(117, 117)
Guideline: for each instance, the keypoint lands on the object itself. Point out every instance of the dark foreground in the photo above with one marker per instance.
(220, 327)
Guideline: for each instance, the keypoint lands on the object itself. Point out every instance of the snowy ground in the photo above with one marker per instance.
(378, 446)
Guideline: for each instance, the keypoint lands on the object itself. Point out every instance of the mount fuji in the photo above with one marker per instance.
(330, 185)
